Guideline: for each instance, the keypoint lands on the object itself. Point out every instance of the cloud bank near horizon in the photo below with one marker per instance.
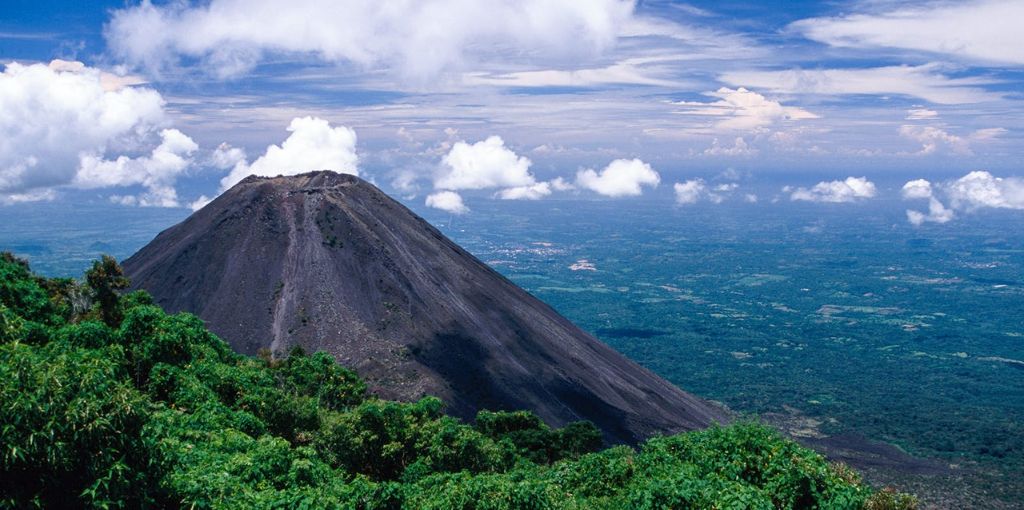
(975, 191)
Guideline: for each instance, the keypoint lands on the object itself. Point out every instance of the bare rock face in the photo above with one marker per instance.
(329, 262)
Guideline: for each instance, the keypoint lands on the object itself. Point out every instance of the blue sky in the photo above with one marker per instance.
(170, 102)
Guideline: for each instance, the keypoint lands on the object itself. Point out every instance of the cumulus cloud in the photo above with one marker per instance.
(922, 189)
(924, 81)
(976, 190)
(156, 172)
(225, 156)
(482, 165)
(852, 189)
(981, 189)
(447, 201)
(743, 110)
(418, 39)
(59, 119)
(919, 188)
(689, 192)
(534, 192)
(978, 30)
(489, 164)
(937, 213)
(560, 184)
(694, 190)
(622, 177)
(312, 145)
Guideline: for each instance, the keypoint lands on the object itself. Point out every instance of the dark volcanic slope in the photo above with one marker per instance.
(329, 262)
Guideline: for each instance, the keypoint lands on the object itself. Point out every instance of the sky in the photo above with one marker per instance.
(167, 104)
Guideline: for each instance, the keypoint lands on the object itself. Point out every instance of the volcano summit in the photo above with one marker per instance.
(328, 262)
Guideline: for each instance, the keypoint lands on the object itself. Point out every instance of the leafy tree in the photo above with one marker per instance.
(11, 325)
(576, 439)
(319, 376)
(106, 278)
(21, 292)
(70, 426)
(535, 439)
(87, 334)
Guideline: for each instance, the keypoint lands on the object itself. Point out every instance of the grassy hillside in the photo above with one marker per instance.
(108, 402)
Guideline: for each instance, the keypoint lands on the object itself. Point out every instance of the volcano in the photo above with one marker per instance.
(328, 262)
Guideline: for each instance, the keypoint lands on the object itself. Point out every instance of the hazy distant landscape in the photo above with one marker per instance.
(849, 317)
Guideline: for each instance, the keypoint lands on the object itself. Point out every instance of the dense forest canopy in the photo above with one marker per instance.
(108, 402)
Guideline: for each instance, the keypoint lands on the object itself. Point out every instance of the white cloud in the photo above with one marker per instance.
(739, 148)
(937, 213)
(987, 133)
(634, 71)
(533, 192)
(921, 114)
(560, 184)
(981, 189)
(923, 81)
(226, 156)
(919, 188)
(156, 172)
(689, 192)
(312, 145)
(976, 190)
(447, 201)
(750, 198)
(932, 138)
(109, 81)
(54, 119)
(743, 110)
(622, 177)
(405, 180)
(200, 202)
(416, 38)
(488, 164)
(37, 195)
(693, 190)
(482, 165)
(979, 30)
(850, 190)
(730, 174)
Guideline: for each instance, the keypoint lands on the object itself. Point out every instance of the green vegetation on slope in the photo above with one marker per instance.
(108, 402)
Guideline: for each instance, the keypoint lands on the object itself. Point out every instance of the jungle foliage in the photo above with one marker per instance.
(108, 402)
